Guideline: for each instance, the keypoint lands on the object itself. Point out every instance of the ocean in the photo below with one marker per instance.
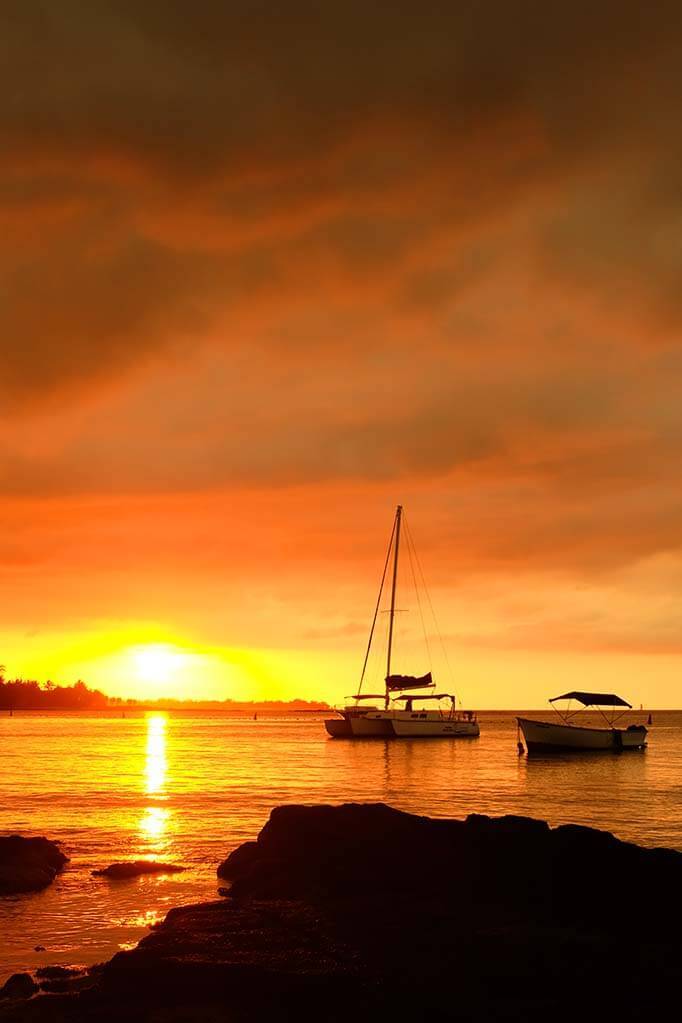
(188, 787)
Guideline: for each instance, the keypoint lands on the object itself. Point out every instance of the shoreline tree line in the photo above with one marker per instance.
(29, 694)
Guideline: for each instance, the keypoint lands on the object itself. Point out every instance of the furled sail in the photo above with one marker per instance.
(397, 682)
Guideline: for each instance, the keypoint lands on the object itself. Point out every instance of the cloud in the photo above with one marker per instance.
(305, 262)
(164, 174)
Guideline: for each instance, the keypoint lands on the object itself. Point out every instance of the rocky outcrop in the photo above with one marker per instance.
(242, 855)
(57, 972)
(361, 911)
(64, 979)
(353, 852)
(28, 864)
(134, 868)
(19, 986)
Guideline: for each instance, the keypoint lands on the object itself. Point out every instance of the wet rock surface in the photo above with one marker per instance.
(57, 972)
(61, 979)
(19, 986)
(28, 864)
(358, 911)
(136, 868)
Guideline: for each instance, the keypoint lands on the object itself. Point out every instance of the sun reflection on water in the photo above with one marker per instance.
(156, 763)
(153, 824)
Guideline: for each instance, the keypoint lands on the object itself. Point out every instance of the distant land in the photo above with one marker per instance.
(27, 694)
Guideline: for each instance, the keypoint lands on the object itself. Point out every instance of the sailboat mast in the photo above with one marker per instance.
(398, 516)
(376, 609)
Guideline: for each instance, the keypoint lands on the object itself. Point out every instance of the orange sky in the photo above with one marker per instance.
(264, 276)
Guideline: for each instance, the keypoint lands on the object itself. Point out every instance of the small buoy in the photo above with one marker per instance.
(650, 720)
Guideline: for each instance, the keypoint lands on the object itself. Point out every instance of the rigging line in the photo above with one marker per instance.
(410, 553)
(376, 609)
(433, 614)
(378, 663)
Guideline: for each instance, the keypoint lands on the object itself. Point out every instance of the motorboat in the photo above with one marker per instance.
(566, 736)
(355, 720)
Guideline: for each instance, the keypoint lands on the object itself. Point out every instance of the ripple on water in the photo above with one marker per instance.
(189, 787)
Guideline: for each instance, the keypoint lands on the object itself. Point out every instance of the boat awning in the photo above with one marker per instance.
(395, 682)
(594, 699)
(429, 696)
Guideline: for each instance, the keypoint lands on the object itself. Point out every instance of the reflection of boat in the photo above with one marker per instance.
(563, 736)
(357, 721)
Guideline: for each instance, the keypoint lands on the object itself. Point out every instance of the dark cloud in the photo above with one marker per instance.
(247, 246)
(154, 76)
(162, 166)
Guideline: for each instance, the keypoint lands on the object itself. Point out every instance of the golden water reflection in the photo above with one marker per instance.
(154, 822)
(156, 763)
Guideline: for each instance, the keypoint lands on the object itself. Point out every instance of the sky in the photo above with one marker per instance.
(268, 270)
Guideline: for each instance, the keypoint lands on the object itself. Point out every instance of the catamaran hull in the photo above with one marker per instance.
(548, 737)
(339, 728)
(371, 728)
(419, 729)
(391, 726)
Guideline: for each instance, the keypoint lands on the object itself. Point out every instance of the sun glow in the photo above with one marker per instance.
(157, 662)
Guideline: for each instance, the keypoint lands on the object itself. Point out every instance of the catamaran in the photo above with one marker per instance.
(340, 727)
(564, 736)
(400, 717)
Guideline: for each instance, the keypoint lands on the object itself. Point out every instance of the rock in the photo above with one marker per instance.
(68, 985)
(63, 979)
(28, 864)
(238, 860)
(19, 985)
(38, 948)
(57, 972)
(511, 864)
(329, 850)
(134, 868)
(364, 912)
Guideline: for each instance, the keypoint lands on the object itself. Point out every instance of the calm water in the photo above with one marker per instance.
(189, 787)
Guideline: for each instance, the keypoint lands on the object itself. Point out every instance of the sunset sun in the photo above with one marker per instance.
(157, 662)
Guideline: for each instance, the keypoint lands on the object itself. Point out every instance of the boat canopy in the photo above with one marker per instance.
(394, 682)
(429, 696)
(594, 699)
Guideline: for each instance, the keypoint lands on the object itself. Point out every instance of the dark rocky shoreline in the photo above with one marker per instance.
(127, 869)
(361, 910)
(28, 864)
